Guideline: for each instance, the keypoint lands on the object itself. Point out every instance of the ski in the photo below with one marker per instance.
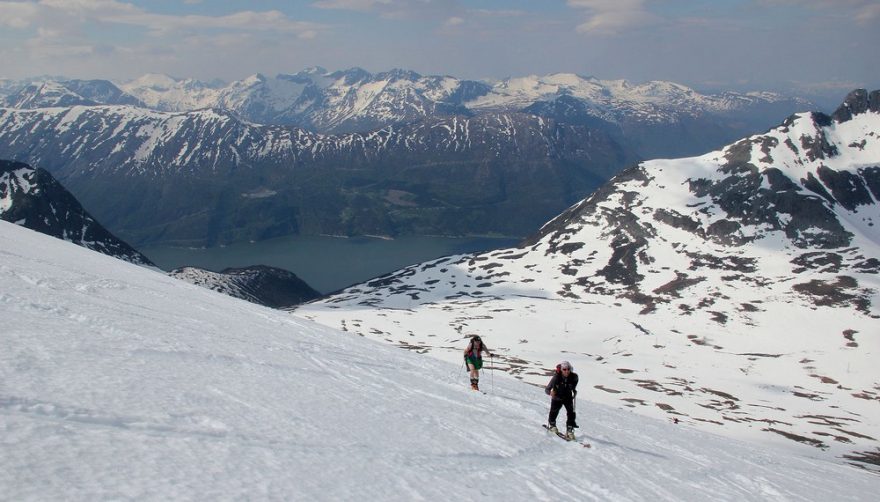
(562, 436)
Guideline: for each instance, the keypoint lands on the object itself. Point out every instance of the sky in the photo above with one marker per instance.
(799, 45)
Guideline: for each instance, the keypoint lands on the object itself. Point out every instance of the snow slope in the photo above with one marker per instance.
(737, 291)
(119, 382)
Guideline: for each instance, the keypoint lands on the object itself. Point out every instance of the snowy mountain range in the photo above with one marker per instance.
(54, 93)
(355, 100)
(263, 285)
(737, 291)
(352, 152)
(120, 382)
(206, 177)
(34, 199)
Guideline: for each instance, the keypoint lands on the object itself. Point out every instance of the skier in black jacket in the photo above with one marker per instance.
(562, 389)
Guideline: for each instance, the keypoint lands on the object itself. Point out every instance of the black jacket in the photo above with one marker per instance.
(565, 387)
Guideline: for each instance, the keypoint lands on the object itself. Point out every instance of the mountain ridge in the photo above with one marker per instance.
(736, 291)
(431, 177)
(32, 198)
(260, 284)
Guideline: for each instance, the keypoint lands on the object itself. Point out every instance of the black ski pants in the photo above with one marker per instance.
(556, 405)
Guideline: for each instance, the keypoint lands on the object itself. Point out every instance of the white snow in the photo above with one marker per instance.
(612, 99)
(166, 93)
(389, 99)
(737, 351)
(117, 382)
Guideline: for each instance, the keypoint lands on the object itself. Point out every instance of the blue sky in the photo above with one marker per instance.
(798, 45)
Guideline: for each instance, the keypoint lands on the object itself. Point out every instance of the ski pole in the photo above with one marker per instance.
(492, 360)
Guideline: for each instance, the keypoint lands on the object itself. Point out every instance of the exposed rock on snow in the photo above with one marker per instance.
(713, 289)
(269, 286)
(34, 199)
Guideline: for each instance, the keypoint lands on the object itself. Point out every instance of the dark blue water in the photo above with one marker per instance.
(326, 263)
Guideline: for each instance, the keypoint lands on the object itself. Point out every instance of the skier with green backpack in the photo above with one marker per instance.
(474, 359)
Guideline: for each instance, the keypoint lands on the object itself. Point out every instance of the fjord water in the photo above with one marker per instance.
(325, 263)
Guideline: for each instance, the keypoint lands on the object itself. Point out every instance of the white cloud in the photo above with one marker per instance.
(360, 5)
(868, 13)
(73, 34)
(18, 14)
(610, 17)
(862, 11)
(113, 11)
(497, 13)
(436, 10)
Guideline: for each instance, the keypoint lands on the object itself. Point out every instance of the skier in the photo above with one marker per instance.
(562, 390)
(474, 359)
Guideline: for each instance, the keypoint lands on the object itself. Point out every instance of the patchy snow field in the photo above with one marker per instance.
(117, 382)
(738, 292)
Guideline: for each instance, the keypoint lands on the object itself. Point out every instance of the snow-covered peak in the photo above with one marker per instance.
(67, 93)
(45, 95)
(399, 74)
(162, 92)
(613, 100)
(255, 79)
(736, 291)
(155, 81)
(313, 70)
(357, 100)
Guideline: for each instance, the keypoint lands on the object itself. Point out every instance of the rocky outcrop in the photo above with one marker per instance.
(269, 286)
(856, 102)
(33, 198)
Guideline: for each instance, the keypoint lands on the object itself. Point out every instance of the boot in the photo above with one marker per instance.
(553, 429)
(475, 384)
(569, 433)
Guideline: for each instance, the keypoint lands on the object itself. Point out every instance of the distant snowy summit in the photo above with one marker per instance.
(32, 198)
(65, 93)
(263, 285)
(737, 291)
(357, 100)
(407, 154)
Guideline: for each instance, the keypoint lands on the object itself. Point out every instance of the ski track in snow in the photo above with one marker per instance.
(119, 382)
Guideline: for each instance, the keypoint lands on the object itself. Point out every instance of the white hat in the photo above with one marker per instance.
(565, 365)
